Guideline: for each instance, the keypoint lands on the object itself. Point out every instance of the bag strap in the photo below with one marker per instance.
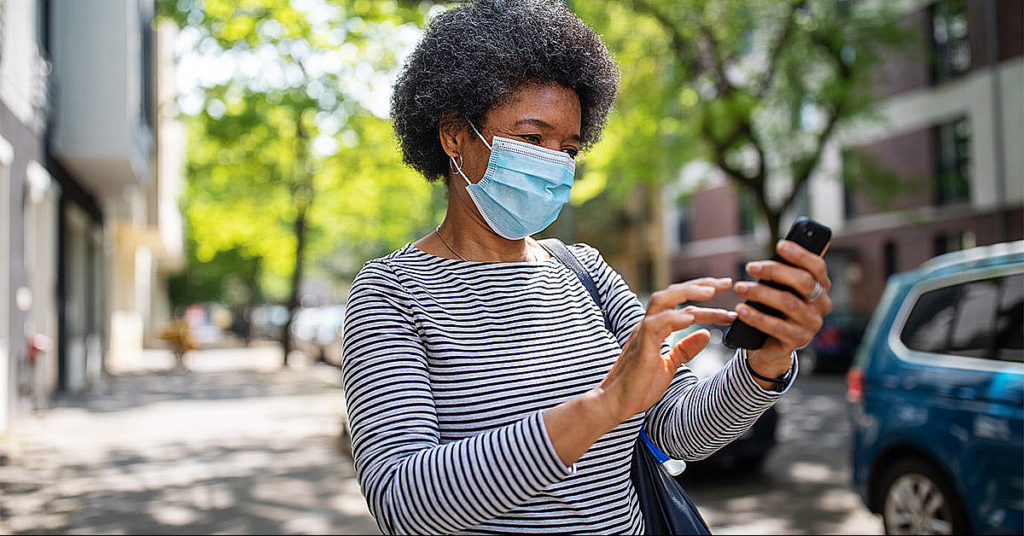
(558, 250)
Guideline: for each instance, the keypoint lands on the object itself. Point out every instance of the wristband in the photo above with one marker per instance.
(778, 384)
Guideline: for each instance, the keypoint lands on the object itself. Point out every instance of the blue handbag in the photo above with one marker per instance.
(665, 506)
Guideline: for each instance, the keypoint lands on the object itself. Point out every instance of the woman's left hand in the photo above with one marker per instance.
(803, 317)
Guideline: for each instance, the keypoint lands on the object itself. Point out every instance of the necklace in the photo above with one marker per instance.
(438, 231)
(456, 253)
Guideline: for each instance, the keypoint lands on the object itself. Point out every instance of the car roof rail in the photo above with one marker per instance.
(973, 254)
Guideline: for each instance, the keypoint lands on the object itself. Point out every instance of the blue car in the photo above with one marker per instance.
(936, 396)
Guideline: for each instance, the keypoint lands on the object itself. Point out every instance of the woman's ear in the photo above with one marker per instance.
(450, 131)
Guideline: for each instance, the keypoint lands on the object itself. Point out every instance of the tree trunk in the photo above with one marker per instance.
(294, 298)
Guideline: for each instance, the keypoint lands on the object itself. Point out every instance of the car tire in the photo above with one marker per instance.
(915, 497)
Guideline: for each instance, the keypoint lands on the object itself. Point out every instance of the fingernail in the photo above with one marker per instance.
(743, 287)
(686, 318)
(743, 310)
(754, 267)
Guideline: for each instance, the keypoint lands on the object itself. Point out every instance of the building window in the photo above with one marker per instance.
(683, 224)
(952, 162)
(748, 212)
(889, 258)
(147, 75)
(951, 48)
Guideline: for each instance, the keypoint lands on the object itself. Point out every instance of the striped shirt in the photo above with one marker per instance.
(447, 367)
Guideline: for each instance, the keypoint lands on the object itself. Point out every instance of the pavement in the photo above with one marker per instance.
(235, 444)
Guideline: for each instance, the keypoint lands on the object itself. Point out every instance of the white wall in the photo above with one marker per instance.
(22, 67)
(6, 156)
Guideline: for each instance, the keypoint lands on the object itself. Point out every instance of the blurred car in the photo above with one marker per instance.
(207, 323)
(749, 450)
(304, 330)
(329, 334)
(268, 321)
(936, 397)
(833, 348)
(316, 332)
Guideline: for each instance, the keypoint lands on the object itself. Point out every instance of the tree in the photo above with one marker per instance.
(758, 88)
(290, 154)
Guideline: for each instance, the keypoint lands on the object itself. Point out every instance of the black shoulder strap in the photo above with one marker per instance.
(558, 250)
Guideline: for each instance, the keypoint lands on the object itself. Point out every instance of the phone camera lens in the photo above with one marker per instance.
(808, 233)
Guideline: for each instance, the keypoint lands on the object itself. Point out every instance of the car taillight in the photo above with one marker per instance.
(855, 385)
(829, 337)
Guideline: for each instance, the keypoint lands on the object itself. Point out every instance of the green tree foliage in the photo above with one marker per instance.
(755, 87)
(291, 160)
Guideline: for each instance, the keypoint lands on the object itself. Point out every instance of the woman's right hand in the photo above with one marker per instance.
(641, 375)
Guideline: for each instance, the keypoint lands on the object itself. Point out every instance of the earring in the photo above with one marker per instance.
(456, 166)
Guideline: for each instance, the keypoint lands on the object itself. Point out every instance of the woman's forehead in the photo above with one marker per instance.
(547, 106)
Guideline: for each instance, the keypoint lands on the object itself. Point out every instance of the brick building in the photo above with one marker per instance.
(952, 132)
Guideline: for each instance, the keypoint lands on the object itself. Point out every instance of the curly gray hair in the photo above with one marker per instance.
(475, 56)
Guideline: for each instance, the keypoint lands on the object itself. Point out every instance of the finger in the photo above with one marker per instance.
(797, 278)
(659, 326)
(791, 334)
(710, 315)
(795, 308)
(698, 289)
(685, 350)
(798, 255)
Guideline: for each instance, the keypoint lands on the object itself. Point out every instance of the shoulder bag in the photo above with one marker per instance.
(666, 507)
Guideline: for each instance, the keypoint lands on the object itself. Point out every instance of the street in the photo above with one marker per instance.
(804, 486)
(237, 445)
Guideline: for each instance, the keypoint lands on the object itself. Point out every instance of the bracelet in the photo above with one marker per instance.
(778, 384)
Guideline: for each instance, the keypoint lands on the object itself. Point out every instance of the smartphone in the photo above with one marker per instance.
(806, 232)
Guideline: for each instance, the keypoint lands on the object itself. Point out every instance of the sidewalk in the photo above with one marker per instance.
(234, 445)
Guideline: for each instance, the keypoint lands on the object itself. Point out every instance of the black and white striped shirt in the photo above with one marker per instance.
(448, 365)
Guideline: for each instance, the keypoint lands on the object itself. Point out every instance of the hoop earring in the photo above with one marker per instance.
(456, 166)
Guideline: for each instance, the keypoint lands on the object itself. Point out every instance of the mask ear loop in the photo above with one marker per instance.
(479, 135)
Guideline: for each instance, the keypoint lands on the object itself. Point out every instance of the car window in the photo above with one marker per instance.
(972, 333)
(929, 323)
(1009, 332)
(980, 319)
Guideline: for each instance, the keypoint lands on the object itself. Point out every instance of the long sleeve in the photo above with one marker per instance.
(413, 483)
(695, 417)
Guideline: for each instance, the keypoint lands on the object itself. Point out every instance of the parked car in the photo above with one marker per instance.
(937, 397)
(329, 335)
(833, 348)
(749, 450)
(268, 321)
(317, 331)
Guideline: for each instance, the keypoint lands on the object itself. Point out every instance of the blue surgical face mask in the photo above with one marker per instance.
(524, 187)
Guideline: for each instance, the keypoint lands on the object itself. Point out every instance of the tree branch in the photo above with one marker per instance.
(776, 50)
(714, 64)
(680, 44)
(808, 166)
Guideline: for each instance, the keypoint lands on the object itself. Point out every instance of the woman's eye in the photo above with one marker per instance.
(571, 152)
(532, 138)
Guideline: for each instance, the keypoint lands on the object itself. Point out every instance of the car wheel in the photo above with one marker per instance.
(916, 498)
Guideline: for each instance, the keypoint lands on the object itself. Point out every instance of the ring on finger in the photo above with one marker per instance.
(818, 289)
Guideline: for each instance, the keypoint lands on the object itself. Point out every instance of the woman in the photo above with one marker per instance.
(484, 392)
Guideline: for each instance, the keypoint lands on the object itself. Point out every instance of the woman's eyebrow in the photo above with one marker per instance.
(542, 124)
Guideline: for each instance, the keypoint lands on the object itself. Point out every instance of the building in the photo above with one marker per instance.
(90, 172)
(952, 130)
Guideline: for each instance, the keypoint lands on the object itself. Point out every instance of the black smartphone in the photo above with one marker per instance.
(810, 234)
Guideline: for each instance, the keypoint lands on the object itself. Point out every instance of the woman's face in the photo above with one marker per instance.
(547, 115)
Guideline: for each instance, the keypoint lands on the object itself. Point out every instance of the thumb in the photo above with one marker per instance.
(690, 346)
